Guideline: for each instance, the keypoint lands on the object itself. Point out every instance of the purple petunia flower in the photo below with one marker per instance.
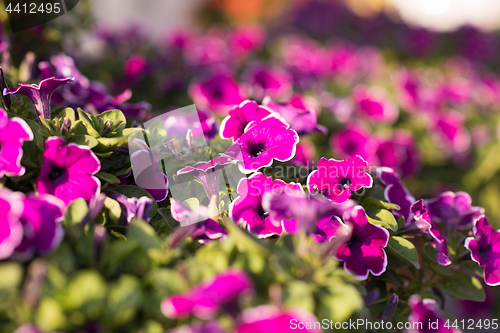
(68, 171)
(40, 95)
(423, 313)
(485, 249)
(201, 221)
(305, 154)
(133, 208)
(11, 229)
(336, 179)
(234, 125)
(364, 252)
(13, 132)
(264, 141)
(199, 122)
(42, 222)
(396, 192)
(218, 93)
(272, 82)
(248, 211)
(269, 319)
(450, 132)
(353, 140)
(245, 39)
(424, 222)
(300, 119)
(205, 299)
(146, 174)
(454, 209)
(208, 173)
(399, 152)
(373, 104)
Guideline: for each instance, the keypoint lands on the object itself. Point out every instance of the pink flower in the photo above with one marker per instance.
(373, 104)
(485, 249)
(218, 93)
(245, 39)
(450, 132)
(454, 209)
(262, 143)
(305, 154)
(273, 82)
(234, 125)
(351, 141)
(269, 319)
(42, 222)
(13, 132)
(135, 65)
(364, 252)
(423, 313)
(337, 179)
(11, 229)
(427, 227)
(399, 152)
(68, 171)
(205, 299)
(248, 211)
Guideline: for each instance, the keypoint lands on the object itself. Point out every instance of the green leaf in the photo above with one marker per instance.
(65, 113)
(86, 290)
(86, 140)
(107, 144)
(404, 249)
(113, 209)
(246, 241)
(144, 234)
(124, 299)
(76, 211)
(112, 116)
(462, 286)
(88, 123)
(383, 218)
(370, 203)
(108, 178)
(299, 294)
(429, 255)
(12, 275)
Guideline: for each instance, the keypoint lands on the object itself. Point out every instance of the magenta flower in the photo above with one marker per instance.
(305, 154)
(269, 319)
(343, 60)
(204, 327)
(364, 252)
(13, 132)
(450, 132)
(208, 173)
(234, 125)
(374, 105)
(301, 120)
(409, 90)
(68, 171)
(133, 208)
(296, 210)
(135, 65)
(396, 192)
(263, 142)
(399, 152)
(40, 95)
(427, 227)
(42, 222)
(11, 229)
(205, 299)
(203, 226)
(218, 93)
(423, 313)
(351, 141)
(248, 211)
(454, 209)
(272, 82)
(485, 249)
(245, 39)
(337, 179)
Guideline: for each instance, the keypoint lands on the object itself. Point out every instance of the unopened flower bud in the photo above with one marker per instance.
(390, 308)
(66, 125)
(107, 128)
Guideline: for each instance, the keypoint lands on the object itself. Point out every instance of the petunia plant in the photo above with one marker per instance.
(256, 180)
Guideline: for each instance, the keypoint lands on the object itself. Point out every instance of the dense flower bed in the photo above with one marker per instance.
(314, 180)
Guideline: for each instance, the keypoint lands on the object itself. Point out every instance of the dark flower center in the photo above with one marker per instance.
(345, 182)
(57, 173)
(217, 93)
(256, 148)
(262, 213)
